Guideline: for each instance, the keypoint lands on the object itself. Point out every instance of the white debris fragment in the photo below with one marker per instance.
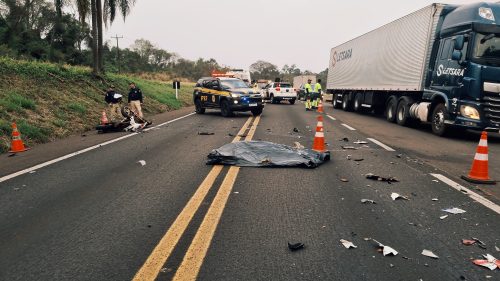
(491, 262)
(367, 201)
(32, 172)
(395, 196)
(429, 254)
(142, 162)
(386, 250)
(435, 199)
(435, 180)
(360, 142)
(454, 210)
(443, 217)
(498, 249)
(347, 244)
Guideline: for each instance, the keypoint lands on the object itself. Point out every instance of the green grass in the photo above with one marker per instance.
(77, 107)
(50, 101)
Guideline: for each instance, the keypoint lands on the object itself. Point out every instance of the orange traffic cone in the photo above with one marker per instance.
(479, 171)
(104, 118)
(319, 137)
(17, 144)
(320, 107)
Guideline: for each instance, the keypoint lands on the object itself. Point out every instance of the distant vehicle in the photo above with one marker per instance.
(300, 81)
(278, 91)
(241, 74)
(440, 64)
(263, 83)
(228, 94)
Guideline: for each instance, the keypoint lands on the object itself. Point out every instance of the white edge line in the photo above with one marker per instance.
(45, 164)
(333, 118)
(474, 196)
(388, 148)
(349, 127)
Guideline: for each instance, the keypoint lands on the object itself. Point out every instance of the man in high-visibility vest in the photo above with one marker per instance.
(308, 94)
(317, 93)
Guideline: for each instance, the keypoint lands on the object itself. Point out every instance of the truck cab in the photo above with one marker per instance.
(465, 78)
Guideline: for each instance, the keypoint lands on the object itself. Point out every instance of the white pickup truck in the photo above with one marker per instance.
(278, 91)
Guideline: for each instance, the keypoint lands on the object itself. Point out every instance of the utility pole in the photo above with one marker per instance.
(117, 50)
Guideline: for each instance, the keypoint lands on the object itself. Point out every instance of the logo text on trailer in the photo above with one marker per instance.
(344, 55)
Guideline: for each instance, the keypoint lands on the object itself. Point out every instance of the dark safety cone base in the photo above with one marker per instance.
(478, 181)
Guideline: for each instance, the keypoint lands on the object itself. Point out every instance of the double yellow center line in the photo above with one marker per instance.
(193, 259)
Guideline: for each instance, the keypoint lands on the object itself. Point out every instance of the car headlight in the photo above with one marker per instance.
(469, 112)
(486, 13)
(235, 95)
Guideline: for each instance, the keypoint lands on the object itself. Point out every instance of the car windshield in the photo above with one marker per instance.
(233, 84)
(487, 49)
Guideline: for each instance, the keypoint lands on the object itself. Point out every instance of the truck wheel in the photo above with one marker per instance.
(390, 109)
(292, 101)
(225, 110)
(345, 103)
(403, 111)
(335, 102)
(358, 102)
(199, 107)
(257, 111)
(439, 115)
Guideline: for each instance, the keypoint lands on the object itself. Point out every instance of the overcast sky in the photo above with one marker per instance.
(238, 32)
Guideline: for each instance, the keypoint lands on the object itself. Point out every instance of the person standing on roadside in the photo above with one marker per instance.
(135, 99)
(113, 100)
(317, 91)
(308, 94)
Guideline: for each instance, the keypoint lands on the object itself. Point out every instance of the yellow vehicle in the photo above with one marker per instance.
(228, 94)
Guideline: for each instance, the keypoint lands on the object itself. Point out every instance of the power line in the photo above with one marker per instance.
(117, 50)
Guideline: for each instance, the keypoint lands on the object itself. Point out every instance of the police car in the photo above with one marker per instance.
(228, 94)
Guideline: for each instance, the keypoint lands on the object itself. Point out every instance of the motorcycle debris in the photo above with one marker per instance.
(32, 172)
(297, 145)
(347, 244)
(386, 250)
(142, 162)
(349, 147)
(435, 199)
(399, 155)
(364, 201)
(395, 196)
(360, 142)
(429, 254)
(348, 157)
(295, 130)
(443, 217)
(454, 210)
(468, 242)
(379, 178)
(344, 180)
(295, 246)
(435, 180)
(206, 133)
(498, 249)
(491, 262)
(358, 159)
(344, 139)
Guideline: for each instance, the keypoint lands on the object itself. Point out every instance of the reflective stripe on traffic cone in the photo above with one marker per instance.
(479, 170)
(17, 144)
(319, 137)
(320, 107)
(104, 118)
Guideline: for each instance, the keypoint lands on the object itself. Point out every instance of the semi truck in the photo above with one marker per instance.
(440, 64)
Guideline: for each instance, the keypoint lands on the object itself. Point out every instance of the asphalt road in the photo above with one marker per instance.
(101, 215)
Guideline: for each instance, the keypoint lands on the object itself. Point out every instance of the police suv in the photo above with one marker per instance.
(228, 94)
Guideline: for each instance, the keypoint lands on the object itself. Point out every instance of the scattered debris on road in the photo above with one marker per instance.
(348, 147)
(468, 242)
(344, 180)
(358, 159)
(443, 217)
(206, 133)
(395, 196)
(142, 162)
(295, 130)
(344, 139)
(349, 157)
(379, 178)
(435, 180)
(360, 142)
(386, 250)
(454, 210)
(435, 199)
(297, 145)
(364, 201)
(498, 249)
(295, 246)
(347, 244)
(491, 262)
(429, 254)
(265, 154)
(32, 172)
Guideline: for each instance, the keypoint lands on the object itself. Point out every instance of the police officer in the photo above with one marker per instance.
(113, 100)
(135, 99)
(317, 92)
(308, 94)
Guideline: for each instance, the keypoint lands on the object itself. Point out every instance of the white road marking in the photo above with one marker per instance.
(388, 148)
(474, 196)
(349, 127)
(331, 117)
(45, 164)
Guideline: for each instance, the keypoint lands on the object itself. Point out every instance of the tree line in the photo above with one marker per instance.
(45, 30)
(267, 71)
